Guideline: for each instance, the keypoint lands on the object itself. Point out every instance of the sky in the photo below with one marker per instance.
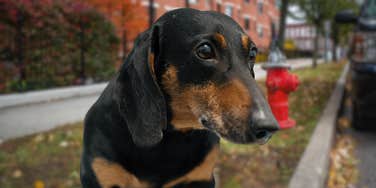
(295, 9)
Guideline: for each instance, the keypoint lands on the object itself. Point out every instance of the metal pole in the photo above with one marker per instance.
(326, 44)
(151, 12)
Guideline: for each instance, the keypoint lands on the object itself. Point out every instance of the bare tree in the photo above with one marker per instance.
(282, 23)
(317, 12)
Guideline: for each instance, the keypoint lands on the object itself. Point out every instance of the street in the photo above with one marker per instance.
(365, 152)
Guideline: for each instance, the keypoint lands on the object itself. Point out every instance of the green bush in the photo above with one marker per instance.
(44, 41)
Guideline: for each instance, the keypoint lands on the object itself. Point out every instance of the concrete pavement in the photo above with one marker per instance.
(23, 120)
(27, 113)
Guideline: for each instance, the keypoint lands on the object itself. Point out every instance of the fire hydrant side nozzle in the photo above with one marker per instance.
(280, 83)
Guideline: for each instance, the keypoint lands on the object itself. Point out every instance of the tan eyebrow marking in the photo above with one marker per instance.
(221, 40)
(245, 42)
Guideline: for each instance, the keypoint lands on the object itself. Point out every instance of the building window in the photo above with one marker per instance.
(228, 10)
(246, 1)
(278, 3)
(208, 4)
(193, 1)
(219, 7)
(260, 7)
(246, 23)
(260, 31)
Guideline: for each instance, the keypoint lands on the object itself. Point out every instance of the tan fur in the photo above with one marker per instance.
(183, 118)
(245, 42)
(190, 102)
(151, 62)
(221, 40)
(202, 172)
(112, 174)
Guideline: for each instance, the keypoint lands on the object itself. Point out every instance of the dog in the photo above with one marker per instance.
(188, 81)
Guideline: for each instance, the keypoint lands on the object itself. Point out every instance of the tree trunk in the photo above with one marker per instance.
(282, 23)
(334, 51)
(335, 39)
(316, 48)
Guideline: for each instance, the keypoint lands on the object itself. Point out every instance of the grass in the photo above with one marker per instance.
(51, 159)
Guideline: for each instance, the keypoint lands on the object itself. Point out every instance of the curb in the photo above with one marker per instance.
(312, 169)
(32, 97)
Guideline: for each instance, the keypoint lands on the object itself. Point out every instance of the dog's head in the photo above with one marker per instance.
(194, 70)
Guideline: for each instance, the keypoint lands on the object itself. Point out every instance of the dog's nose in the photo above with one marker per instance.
(264, 125)
(263, 122)
(264, 128)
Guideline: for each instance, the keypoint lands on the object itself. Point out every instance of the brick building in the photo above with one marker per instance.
(132, 16)
(255, 16)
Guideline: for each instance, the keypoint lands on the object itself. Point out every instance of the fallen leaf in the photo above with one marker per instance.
(51, 137)
(63, 144)
(38, 138)
(38, 184)
(17, 173)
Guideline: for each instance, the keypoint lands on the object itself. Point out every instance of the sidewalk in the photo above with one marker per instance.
(31, 112)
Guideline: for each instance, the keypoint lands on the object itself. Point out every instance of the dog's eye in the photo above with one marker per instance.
(252, 54)
(205, 51)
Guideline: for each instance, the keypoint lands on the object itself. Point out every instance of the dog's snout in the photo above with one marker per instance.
(264, 128)
(267, 125)
(264, 124)
(261, 134)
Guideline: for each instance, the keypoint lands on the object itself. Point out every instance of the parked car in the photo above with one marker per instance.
(362, 57)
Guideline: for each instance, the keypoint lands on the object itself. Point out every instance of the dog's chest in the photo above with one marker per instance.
(176, 156)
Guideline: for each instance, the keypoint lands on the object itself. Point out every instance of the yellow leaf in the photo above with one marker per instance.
(38, 184)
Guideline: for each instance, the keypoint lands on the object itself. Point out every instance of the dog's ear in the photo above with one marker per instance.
(141, 102)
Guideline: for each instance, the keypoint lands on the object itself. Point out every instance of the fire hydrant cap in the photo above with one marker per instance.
(276, 59)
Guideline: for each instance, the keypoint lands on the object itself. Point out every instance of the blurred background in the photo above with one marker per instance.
(49, 43)
(56, 57)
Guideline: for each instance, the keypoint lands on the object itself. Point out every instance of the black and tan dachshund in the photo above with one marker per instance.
(188, 80)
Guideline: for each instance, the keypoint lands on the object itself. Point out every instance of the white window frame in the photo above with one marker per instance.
(229, 7)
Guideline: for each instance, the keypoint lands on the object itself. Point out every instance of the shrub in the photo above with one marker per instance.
(54, 43)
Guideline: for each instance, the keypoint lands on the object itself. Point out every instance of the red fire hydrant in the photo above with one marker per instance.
(280, 83)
